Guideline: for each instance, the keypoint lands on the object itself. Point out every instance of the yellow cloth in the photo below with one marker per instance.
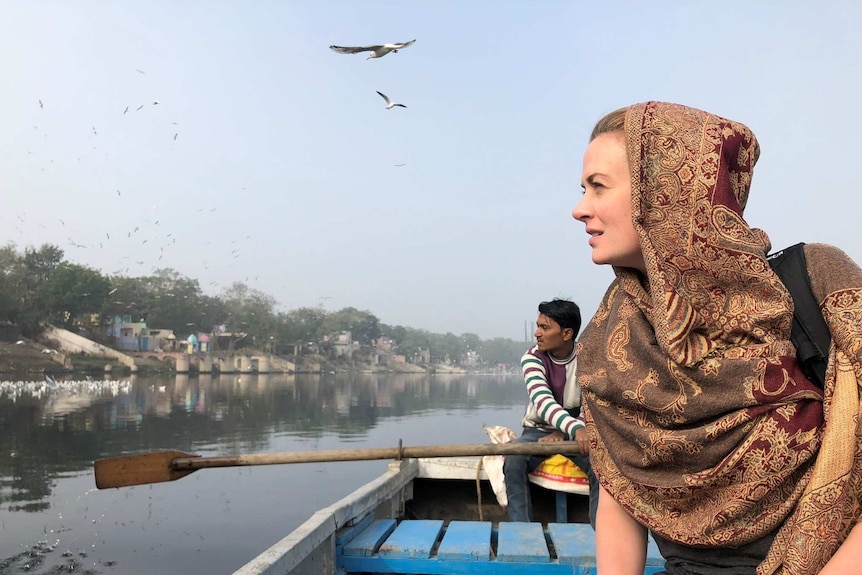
(561, 468)
(561, 474)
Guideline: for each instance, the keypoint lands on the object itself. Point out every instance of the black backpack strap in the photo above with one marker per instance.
(809, 333)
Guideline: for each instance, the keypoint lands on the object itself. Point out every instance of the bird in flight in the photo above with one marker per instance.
(389, 103)
(377, 51)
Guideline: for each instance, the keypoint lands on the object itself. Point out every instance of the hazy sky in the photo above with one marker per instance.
(270, 159)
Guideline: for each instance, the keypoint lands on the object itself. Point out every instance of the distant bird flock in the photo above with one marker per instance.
(15, 389)
(145, 231)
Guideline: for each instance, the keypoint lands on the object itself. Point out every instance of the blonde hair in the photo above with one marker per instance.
(613, 122)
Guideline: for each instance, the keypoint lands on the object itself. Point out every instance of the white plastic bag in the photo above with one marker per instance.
(493, 464)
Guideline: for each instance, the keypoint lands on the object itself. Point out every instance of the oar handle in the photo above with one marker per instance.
(160, 466)
(527, 448)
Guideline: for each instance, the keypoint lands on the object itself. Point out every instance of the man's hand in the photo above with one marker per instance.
(554, 436)
(582, 439)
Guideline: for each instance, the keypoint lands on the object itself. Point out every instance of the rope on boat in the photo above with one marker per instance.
(479, 489)
(479, 497)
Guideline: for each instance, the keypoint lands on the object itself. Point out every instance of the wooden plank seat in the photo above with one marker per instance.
(468, 547)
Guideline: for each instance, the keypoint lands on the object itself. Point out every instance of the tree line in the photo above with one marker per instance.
(39, 286)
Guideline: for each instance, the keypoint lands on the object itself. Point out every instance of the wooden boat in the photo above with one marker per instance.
(436, 516)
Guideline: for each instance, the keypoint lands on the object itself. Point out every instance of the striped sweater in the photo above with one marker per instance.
(554, 395)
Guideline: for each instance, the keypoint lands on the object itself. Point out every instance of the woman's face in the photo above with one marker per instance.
(606, 206)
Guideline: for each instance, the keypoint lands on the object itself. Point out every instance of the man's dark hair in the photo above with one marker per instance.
(564, 312)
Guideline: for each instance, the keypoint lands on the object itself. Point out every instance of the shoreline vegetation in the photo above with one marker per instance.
(42, 293)
(28, 358)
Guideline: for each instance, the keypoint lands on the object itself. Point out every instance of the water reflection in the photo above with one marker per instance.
(45, 434)
(48, 441)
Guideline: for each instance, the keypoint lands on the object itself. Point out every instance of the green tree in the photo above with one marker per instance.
(250, 311)
(127, 297)
(72, 290)
(212, 312)
(40, 263)
(450, 347)
(363, 325)
(502, 350)
(472, 342)
(302, 325)
(173, 302)
(396, 333)
(412, 342)
(10, 262)
(31, 278)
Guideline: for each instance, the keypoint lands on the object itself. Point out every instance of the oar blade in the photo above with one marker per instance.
(128, 470)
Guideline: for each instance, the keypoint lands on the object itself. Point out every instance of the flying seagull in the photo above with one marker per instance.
(389, 103)
(377, 51)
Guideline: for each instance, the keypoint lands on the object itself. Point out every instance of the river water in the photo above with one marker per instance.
(54, 520)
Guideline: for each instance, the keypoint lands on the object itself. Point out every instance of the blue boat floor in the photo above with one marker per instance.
(432, 546)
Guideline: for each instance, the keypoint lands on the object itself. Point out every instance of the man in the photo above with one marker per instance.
(553, 411)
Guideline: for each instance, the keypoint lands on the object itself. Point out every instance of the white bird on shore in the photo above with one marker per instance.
(389, 103)
(377, 50)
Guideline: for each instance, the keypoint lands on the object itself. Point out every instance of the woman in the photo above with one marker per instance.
(703, 429)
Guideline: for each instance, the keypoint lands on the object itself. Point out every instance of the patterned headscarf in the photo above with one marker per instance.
(702, 425)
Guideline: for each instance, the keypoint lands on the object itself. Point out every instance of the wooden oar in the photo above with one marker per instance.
(161, 466)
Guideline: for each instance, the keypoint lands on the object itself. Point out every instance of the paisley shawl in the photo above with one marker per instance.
(702, 425)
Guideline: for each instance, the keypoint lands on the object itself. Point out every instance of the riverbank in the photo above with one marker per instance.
(30, 357)
(33, 357)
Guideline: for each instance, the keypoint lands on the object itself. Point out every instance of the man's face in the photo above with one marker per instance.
(550, 337)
